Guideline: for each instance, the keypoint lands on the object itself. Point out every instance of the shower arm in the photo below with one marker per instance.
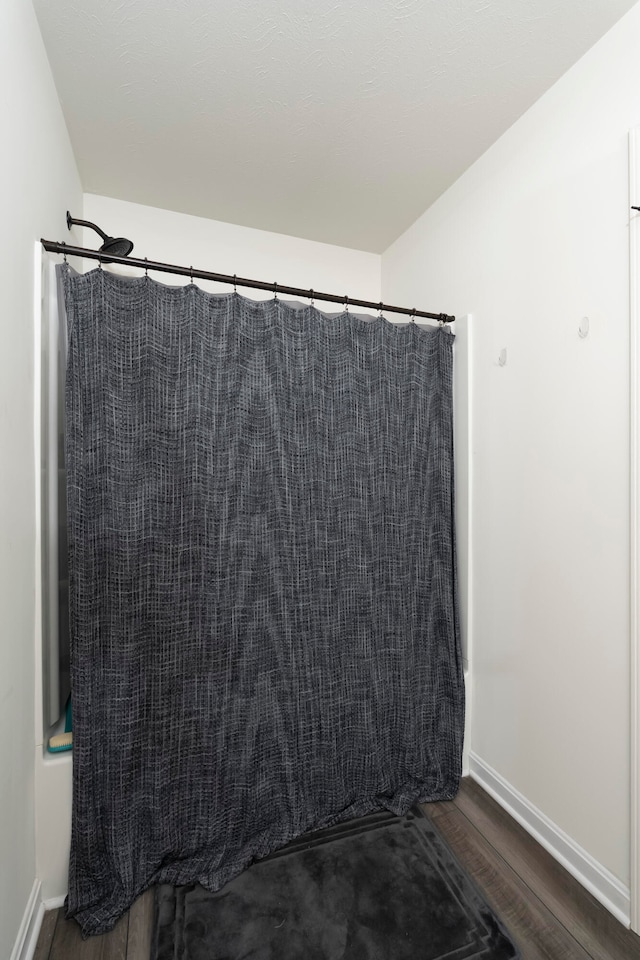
(72, 222)
(116, 245)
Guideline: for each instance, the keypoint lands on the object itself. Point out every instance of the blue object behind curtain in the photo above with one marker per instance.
(262, 580)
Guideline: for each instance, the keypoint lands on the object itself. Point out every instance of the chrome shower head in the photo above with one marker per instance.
(116, 246)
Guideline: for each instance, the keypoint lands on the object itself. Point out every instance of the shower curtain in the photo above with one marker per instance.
(262, 579)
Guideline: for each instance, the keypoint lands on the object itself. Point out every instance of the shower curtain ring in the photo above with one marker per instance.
(311, 296)
(346, 303)
(413, 315)
(275, 291)
(235, 288)
(64, 252)
(146, 267)
(380, 306)
(191, 274)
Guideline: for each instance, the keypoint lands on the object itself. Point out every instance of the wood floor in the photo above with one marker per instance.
(548, 914)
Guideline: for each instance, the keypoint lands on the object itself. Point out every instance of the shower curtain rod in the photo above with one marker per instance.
(67, 250)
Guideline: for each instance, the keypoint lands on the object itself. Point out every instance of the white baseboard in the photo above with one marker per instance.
(466, 749)
(599, 881)
(25, 944)
(53, 903)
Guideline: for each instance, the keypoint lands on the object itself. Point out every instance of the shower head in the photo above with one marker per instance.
(116, 246)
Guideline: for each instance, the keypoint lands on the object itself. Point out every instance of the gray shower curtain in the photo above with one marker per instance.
(262, 579)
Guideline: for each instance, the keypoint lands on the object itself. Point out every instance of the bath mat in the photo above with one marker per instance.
(377, 888)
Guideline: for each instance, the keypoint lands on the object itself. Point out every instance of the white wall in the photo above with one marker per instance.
(221, 248)
(226, 248)
(38, 180)
(530, 240)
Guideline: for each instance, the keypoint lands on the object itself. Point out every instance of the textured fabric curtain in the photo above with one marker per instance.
(262, 580)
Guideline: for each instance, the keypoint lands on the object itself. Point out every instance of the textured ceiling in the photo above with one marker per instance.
(335, 120)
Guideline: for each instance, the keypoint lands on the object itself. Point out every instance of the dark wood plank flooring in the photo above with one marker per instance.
(548, 914)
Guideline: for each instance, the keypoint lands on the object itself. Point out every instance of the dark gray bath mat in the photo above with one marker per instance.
(377, 888)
